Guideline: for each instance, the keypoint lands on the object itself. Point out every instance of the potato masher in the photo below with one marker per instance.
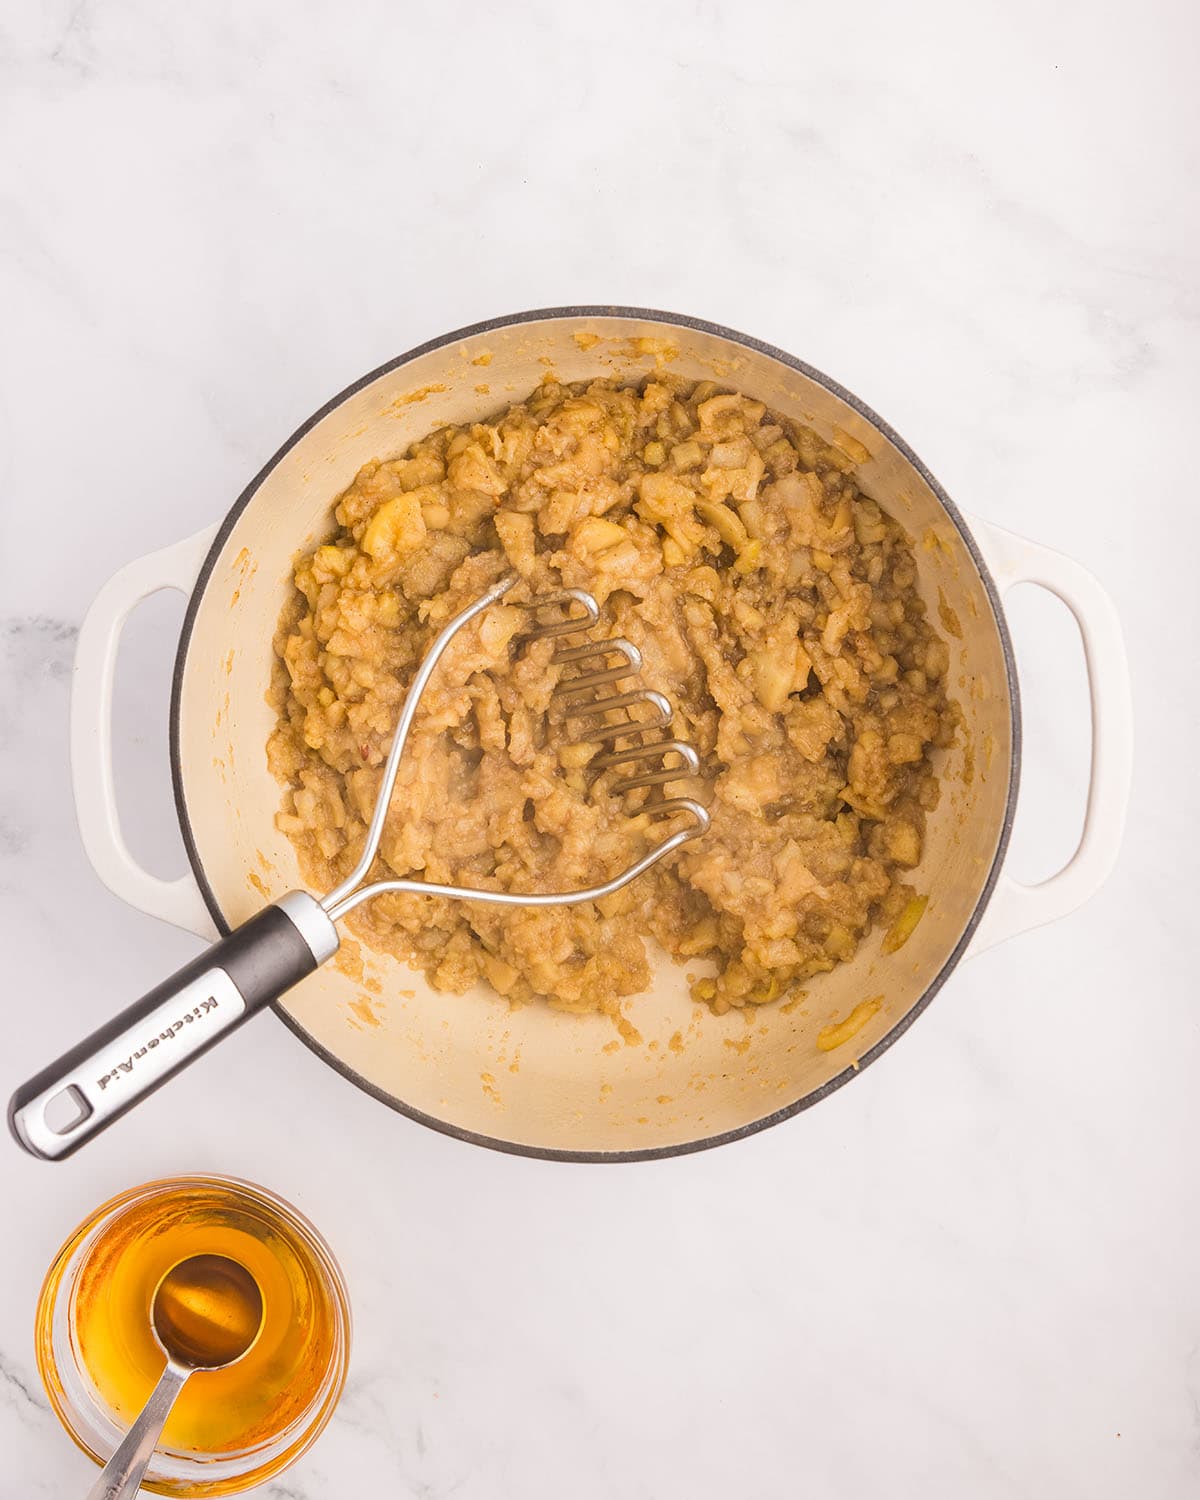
(102, 1077)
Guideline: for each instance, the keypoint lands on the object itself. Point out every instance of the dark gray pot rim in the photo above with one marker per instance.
(758, 345)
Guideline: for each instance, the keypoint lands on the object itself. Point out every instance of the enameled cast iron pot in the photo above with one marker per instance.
(533, 1080)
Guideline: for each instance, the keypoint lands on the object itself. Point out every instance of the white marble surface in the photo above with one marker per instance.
(974, 1271)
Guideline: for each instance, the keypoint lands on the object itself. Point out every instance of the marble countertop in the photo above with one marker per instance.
(972, 1273)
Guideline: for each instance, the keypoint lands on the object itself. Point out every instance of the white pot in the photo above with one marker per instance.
(534, 1080)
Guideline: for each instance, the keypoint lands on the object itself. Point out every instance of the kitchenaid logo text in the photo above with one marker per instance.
(168, 1034)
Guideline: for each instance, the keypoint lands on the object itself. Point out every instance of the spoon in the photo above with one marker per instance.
(206, 1313)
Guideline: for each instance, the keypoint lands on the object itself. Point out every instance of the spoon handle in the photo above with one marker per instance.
(123, 1473)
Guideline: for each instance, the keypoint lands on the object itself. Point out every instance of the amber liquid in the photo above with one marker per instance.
(220, 1411)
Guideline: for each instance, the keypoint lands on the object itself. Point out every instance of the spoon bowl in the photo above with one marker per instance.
(207, 1312)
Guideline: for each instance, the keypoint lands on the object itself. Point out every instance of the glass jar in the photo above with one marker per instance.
(231, 1428)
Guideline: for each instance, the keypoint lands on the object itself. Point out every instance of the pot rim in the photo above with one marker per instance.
(758, 346)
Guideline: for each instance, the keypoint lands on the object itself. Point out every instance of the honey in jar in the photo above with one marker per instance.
(252, 1416)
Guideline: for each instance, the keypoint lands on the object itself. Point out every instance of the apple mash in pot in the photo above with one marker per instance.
(774, 603)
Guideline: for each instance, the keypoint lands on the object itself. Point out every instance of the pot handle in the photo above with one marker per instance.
(175, 567)
(1014, 907)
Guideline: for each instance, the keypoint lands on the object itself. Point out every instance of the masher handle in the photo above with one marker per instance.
(105, 1075)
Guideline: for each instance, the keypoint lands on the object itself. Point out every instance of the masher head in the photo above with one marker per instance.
(633, 723)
